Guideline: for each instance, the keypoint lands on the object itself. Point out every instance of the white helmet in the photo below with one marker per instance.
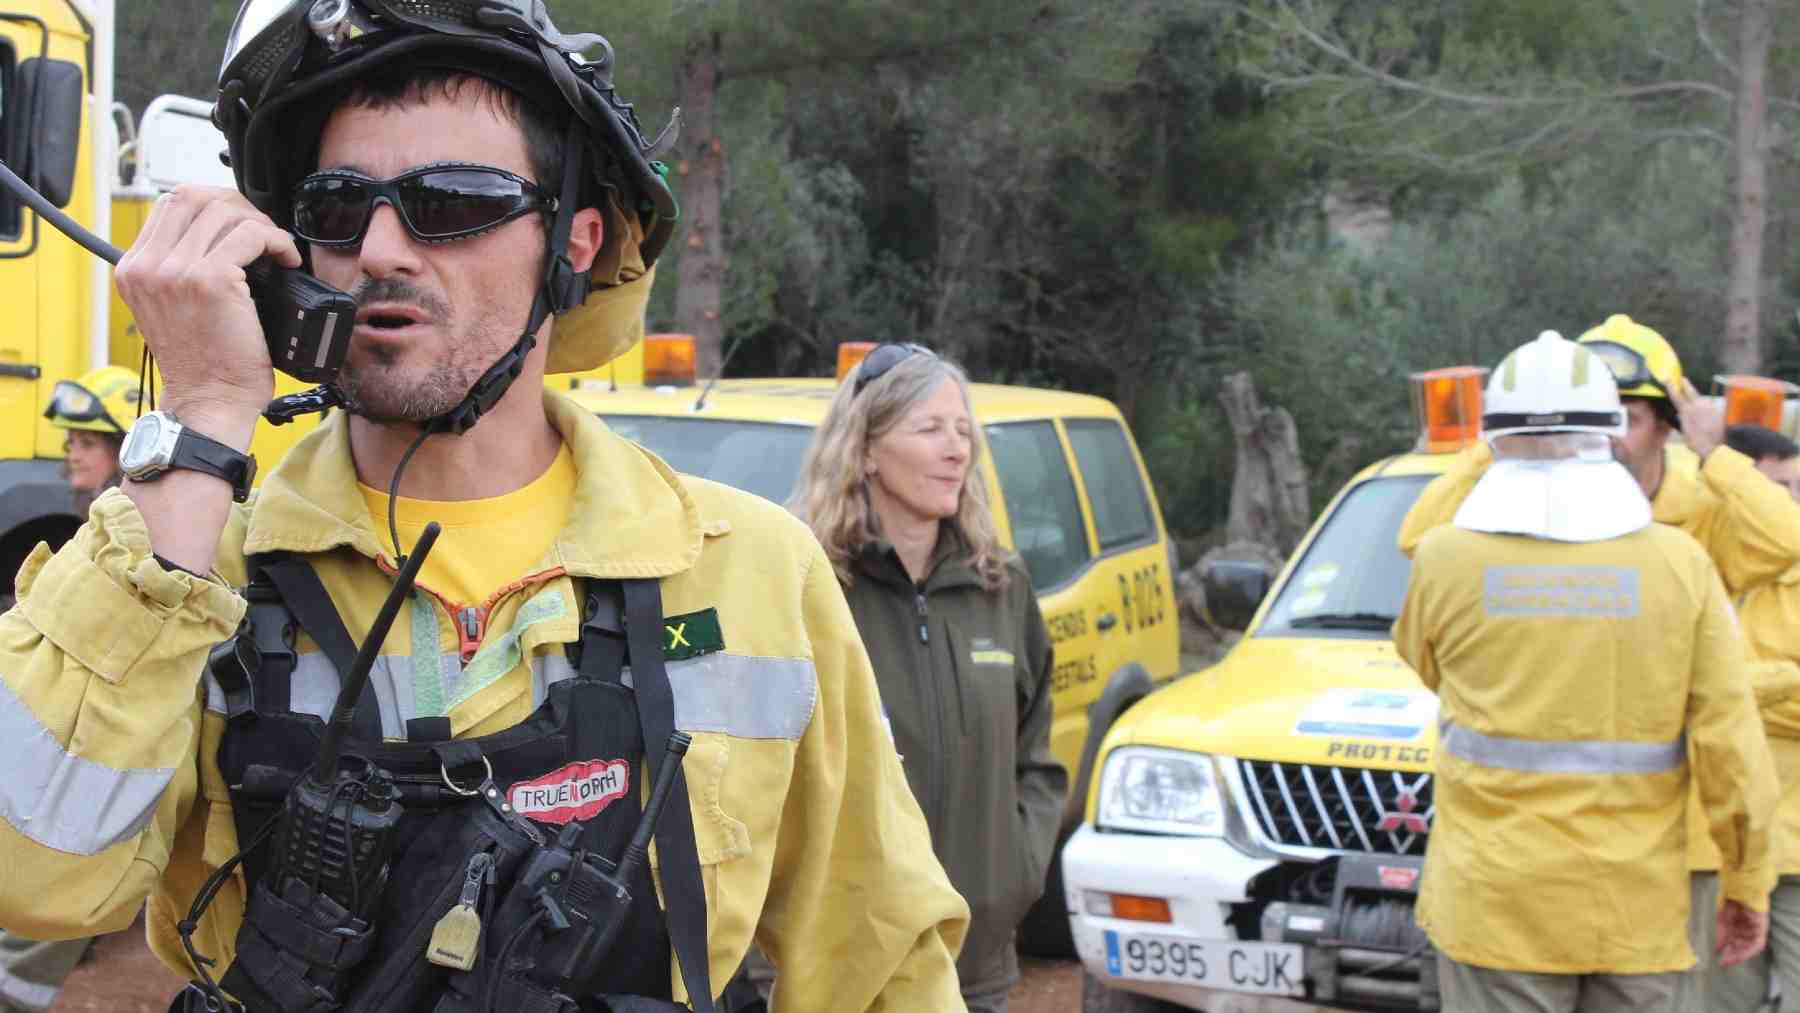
(1552, 385)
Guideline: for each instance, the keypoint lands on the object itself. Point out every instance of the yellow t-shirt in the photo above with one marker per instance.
(487, 545)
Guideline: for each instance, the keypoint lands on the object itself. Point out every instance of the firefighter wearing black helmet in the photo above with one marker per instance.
(489, 201)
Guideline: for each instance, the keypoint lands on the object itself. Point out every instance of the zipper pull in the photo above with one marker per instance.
(924, 630)
(469, 632)
(456, 939)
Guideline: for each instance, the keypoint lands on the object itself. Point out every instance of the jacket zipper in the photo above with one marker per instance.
(937, 760)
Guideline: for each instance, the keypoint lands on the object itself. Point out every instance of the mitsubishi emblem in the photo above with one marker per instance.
(1407, 817)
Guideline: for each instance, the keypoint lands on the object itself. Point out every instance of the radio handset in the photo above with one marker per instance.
(307, 323)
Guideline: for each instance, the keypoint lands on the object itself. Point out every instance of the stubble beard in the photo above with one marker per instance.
(384, 390)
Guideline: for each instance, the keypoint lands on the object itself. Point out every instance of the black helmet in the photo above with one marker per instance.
(284, 58)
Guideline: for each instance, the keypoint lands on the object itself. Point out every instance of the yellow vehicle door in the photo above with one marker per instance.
(1130, 582)
(1041, 513)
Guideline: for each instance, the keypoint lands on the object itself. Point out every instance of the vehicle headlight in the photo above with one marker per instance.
(1164, 791)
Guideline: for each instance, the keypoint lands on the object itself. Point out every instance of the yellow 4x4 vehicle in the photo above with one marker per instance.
(1070, 495)
(1259, 827)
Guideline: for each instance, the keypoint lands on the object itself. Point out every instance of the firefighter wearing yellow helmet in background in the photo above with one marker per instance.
(1590, 675)
(1749, 526)
(95, 410)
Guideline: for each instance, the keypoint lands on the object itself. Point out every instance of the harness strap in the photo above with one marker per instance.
(676, 848)
(600, 651)
(305, 597)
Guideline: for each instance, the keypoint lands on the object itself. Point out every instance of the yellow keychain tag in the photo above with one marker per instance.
(456, 940)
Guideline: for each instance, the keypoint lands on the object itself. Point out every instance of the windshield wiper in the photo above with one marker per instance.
(1344, 621)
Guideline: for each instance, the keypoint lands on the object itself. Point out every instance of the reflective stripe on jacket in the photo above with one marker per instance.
(1748, 525)
(1583, 688)
(114, 794)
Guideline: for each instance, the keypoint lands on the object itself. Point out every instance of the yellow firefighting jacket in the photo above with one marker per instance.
(1583, 689)
(1748, 525)
(1770, 615)
(809, 839)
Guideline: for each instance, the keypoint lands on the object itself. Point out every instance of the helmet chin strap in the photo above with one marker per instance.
(563, 289)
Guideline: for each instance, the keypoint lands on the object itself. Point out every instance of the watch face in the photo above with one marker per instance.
(139, 448)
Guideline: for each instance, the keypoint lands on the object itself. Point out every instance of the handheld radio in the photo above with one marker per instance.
(306, 322)
(336, 828)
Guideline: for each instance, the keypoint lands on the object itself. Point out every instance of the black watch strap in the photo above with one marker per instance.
(198, 452)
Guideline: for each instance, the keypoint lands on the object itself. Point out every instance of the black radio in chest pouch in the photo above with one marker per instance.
(456, 876)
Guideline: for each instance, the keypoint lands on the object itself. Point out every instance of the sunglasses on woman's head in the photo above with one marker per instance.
(876, 364)
(434, 202)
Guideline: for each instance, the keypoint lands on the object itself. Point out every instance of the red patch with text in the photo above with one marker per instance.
(1400, 878)
(575, 792)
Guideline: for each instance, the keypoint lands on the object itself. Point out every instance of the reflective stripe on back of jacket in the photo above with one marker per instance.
(1748, 525)
(1575, 681)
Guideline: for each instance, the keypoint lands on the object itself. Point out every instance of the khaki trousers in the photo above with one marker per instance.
(1740, 989)
(1466, 988)
(1784, 939)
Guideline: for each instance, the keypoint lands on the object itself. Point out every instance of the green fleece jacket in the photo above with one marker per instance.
(964, 674)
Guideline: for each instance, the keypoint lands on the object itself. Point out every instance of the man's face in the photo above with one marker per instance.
(1644, 437)
(431, 317)
(1783, 471)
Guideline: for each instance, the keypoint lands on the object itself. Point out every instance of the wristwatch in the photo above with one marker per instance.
(158, 444)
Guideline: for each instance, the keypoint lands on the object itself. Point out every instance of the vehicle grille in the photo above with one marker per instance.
(1342, 808)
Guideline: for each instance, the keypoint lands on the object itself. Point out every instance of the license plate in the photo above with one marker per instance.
(1268, 968)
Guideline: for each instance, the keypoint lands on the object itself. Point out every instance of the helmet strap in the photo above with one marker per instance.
(562, 289)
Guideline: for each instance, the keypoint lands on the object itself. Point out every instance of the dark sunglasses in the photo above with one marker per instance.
(435, 202)
(876, 364)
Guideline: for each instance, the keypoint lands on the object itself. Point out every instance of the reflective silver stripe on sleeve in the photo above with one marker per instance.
(739, 695)
(1551, 756)
(63, 801)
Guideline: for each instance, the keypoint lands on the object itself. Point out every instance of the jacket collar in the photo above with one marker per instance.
(631, 517)
(1680, 497)
(949, 567)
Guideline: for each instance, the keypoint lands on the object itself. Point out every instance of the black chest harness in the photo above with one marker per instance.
(350, 899)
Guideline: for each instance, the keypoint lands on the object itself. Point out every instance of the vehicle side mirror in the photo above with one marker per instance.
(46, 125)
(1234, 588)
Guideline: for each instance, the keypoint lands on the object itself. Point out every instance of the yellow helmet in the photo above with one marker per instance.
(104, 401)
(1643, 363)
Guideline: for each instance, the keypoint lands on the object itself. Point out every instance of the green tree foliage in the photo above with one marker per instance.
(1134, 198)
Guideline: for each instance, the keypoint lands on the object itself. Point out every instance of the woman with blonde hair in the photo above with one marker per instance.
(891, 487)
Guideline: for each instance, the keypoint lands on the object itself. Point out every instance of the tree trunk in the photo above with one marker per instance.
(1742, 350)
(700, 186)
(1268, 488)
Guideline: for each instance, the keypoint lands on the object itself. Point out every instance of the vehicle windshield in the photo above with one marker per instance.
(759, 457)
(1352, 580)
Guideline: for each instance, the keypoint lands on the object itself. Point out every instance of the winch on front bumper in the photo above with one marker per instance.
(1308, 894)
(1354, 916)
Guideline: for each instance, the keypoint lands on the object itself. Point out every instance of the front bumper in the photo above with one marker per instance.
(1349, 913)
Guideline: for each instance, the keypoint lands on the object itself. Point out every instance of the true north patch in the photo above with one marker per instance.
(575, 792)
(691, 635)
